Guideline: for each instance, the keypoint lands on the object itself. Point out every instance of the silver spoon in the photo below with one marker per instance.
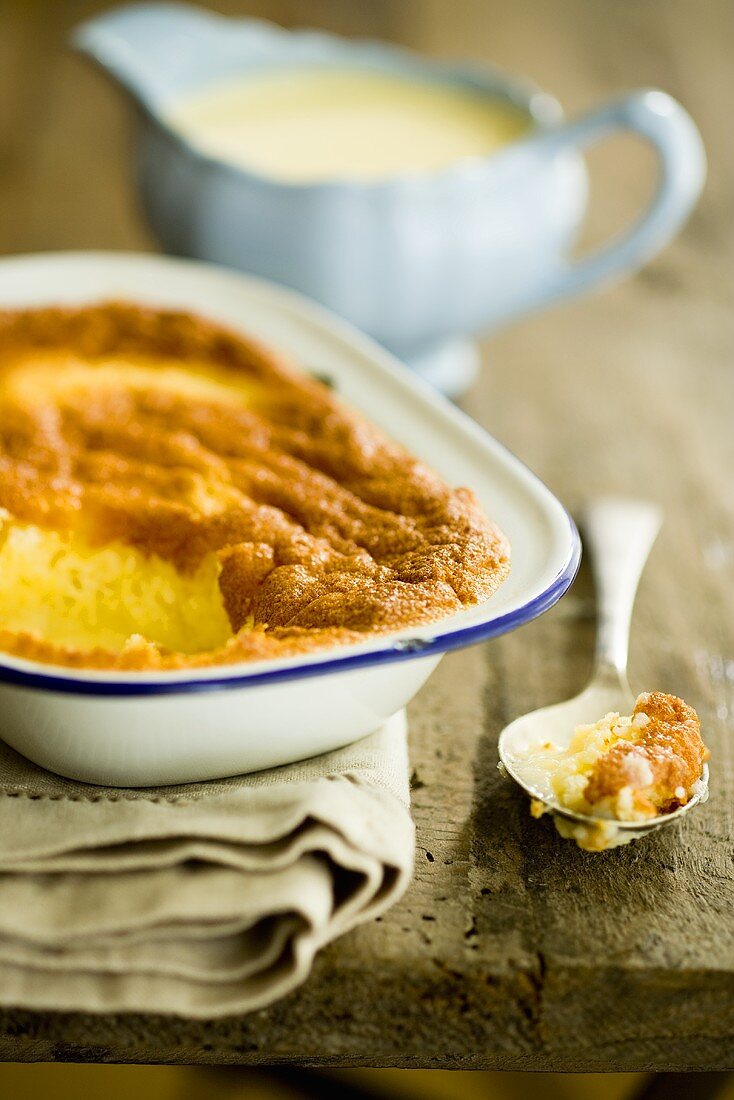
(619, 535)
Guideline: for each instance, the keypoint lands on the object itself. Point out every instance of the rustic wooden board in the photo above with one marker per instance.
(513, 949)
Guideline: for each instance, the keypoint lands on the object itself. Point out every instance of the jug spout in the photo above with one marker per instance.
(152, 50)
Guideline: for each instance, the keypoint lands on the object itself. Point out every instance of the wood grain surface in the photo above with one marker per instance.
(513, 949)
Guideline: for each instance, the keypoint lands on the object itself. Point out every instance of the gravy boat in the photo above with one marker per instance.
(416, 260)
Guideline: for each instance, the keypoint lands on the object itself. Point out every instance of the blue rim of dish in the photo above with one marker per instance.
(403, 650)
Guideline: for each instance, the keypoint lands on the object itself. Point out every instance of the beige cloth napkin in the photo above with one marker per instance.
(197, 900)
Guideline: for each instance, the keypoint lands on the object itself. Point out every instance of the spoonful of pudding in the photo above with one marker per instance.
(607, 766)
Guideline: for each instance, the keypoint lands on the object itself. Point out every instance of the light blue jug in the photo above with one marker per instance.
(417, 260)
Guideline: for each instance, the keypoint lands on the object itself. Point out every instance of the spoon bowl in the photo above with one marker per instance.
(557, 723)
(620, 535)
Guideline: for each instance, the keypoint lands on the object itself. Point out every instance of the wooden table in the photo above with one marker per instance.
(513, 949)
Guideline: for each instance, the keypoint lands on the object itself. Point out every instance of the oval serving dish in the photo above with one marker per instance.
(151, 728)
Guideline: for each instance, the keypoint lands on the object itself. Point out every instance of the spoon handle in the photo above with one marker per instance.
(619, 534)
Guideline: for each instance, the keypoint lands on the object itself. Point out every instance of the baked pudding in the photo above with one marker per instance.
(627, 768)
(173, 494)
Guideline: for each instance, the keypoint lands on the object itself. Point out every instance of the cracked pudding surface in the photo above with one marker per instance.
(174, 494)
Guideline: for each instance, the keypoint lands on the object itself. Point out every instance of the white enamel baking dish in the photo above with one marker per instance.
(145, 729)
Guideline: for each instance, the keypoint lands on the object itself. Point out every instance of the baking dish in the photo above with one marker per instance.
(154, 728)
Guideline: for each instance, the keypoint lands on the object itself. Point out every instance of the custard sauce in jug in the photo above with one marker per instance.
(312, 125)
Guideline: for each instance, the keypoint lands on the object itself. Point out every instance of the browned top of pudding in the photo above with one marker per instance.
(663, 762)
(170, 435)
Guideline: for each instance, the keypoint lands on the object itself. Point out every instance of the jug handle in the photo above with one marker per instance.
(668, 127)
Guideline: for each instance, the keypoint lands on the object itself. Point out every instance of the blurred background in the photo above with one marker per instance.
(65, 132)
(66, 183)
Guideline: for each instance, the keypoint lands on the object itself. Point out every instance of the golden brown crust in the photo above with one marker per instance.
(327, 531)
(670, 749)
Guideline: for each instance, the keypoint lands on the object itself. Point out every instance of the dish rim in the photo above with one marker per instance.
(407, 644)
(400, 650)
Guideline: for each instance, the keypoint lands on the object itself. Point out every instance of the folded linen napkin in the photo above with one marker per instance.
(197, 900)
